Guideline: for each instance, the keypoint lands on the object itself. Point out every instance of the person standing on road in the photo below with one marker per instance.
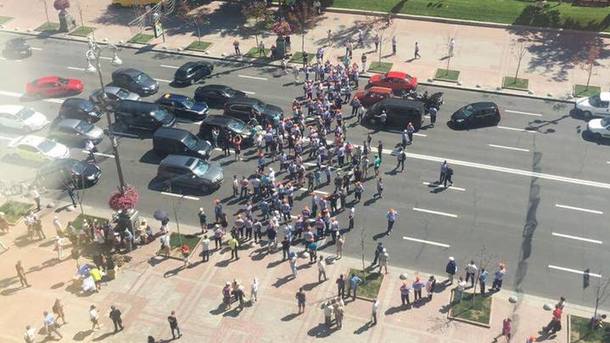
(340, 241)
(432, 111)
(410, 130)
(471, 270)
(173, 325)
(234, 245)
(416, 54)
(374, 311)
(380, 150)
(383, 261)
(321, 269)
(300, 296)
(483, 280)
(115, 315)
(254, 290)
(448, 175)
(94, 317)
(377, 164)
(21, 274)
(391, 215)
(451, 269)
(378, 250)
(58, 310)
(443, 173)
(203, 220)
(401, 158)
(394, 43)
(379, 188)
(293, 265)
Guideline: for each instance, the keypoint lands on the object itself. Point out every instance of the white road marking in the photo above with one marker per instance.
(99, 154)
(526, 113)
(168, 66)
(607, 162)
(163, 80)
(34, 48)
(76, 68)
(253, 77)
(6, 138)
(106, 58)
(315, 191)
(13, 94)
(56, 101)
(579, 209)
(508, 147)
(248, 92)
(577, 238)
(515, 129)
(426, 242)
(180, 196)
(570, 270)
(419, 134)
(435, 212)
(450, 187)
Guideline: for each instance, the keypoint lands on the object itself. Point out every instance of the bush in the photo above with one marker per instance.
(124, 201)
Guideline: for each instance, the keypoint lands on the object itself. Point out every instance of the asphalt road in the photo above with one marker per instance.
(531, 192)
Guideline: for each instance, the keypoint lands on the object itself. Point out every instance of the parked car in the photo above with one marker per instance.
(216, 95)
(143, 115)
(17, 48)
(396, 80)
(372, 95)
(475, 115)
(168, 140)
(594, 106)
(135, 80)
(192, 72)
(599, 128)
(225, 125)
(243, 108)
(68, 172)
(22, 118)
(79, 108)
(398, 112)
(186, 172)
(53, 86)
(183, 106)
(113, 94)
(75, 131)
(37, 149)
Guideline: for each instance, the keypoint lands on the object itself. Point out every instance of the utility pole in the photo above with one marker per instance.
(46, 10)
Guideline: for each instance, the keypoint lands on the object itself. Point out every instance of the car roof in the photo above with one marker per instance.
(191, 64)
(483, 104)
(12, 109)
(217, 119)
(140, 105)
(171, 132)
(179, 160)
(128, 71)
(45, 79)
(397, 102)
(220, 87)
(397, 74)
(381, 90)
(72, 123)
(604, 96)
(174, 96)
(75, 101)
(245, 100)
(28, 140)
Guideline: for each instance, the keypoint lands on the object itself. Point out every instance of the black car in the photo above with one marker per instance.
(186, 172)
(398, 112)
(113, 94)
(225, 126)
(135, 80)
(78, 108)
(216, 95)
(183, 106)
(244, 108)
(68, 172)
(143, 115)
(192, 72)
(17, 48)
(75, 131)
(169, 140)
(475, 115)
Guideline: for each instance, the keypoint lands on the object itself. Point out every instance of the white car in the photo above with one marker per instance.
(599, 127)
(36, 148)
(22, 118)
(594, 106)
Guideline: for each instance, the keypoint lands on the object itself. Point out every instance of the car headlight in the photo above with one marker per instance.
(459, 120)
(91, 177)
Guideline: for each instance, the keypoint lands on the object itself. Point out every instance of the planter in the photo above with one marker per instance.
(14, 211)
(579, 331)
(477, 313)
(370, 286)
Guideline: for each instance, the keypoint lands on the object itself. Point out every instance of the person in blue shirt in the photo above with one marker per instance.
(354, 281)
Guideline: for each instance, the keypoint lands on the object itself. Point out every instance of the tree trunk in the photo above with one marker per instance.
(589, 76)
(518, 67)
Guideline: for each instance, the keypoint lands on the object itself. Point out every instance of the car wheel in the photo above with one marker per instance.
(587, 115)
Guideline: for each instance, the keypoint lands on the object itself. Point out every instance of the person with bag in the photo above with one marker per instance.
(448, 175)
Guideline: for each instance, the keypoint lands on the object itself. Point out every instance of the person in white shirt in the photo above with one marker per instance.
(459, 290)
(374, 311)
(59, 246)
(254, 291)
(94, 317)
(471, 272)
(59, 228)
(30, 334)
(321, 269)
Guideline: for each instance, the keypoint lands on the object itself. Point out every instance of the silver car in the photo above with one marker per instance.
(113, 94)
(76, 131)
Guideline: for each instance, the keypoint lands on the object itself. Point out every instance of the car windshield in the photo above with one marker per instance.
(230, 92)
(467, 111)
(62, 81)
(200, 168)
(141, 78)
(83, 126)
(160, 115)
(25, 113)
(188, 103)
(78, 168)
(605, 122)
(46, 146)
(596, 101)
(122, 94)
(86, 106)
(259, 107)
(236, 126)
(191, 142)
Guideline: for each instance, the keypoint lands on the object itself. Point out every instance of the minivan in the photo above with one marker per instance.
(168, 140)
(78, 108)
(178, 171)
(143, 115)
(399, 112)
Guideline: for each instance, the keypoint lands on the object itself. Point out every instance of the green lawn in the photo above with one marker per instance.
(447, 75)
(48, 27)
(255, 53)
(5, 19)
(198, 46)
(80, 220)
(583, 90)
(82, 31)
(478, 311)
(297, 57)
(380, 67)
(14, 210)
(141, 38)
(177, 239)
(581, 333)
(519, 84)
(522, 12)
(371, 283)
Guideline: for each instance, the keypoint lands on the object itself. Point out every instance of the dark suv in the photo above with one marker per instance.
(192, 72)
(77, 108)
(135, 80)
(187, 172)
(143, 115)
(243, 108)
(399, 113)
(476, 115)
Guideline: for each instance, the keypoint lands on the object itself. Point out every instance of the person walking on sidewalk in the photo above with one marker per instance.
(51, 325)
(205, 249)
(236, 47)
(378, 250)
(173, 325)
(483, 280)
(507, 328)
(451, 269)
(405, 290)
(254, 290)
(471, 270)
(94, 317)
(117, 321)
(383, 261)
(58, 310)
(234, 245)
(391, 215)
(416, 54)
(451, 47)
(498, 277)
(293, 265)
(394, 42)
(341, 286)
(430, 285)
(374, 311)
(321, 269)
(21, 274)
(301, 298)
(376, 41)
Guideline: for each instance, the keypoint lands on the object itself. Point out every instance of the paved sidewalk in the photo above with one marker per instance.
(553, 62)
(146, 290)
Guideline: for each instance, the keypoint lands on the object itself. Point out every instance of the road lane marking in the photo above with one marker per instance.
(7, 138)
(426, 242)
(13, 94)
(163, 80)
(607, 162)
(180, 196)
(526, 113)
(38, 49)
(577, 238)
(315, 191)
(515, 129)
(99, 154)
(56, 101)
(76, 68)
(435, 212)
(248, 92)
(450, 187)
(570, 270)
(106, 58)
(507, 147)
(579, 209)
(252, 77)
(168, 66)
(419, 134)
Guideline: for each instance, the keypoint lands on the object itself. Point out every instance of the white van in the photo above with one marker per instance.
(594, 106)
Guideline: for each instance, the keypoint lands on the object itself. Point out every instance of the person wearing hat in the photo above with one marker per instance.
(451, 269)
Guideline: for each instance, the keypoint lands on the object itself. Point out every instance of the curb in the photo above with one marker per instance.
(183, 52)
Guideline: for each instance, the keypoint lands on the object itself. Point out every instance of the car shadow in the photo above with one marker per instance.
(589, 137)
(151, 157)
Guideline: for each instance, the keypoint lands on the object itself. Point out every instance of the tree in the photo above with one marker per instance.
(380, 27)
(260, 14)
(197, 16)
(301, 17)
(590, 62)
(601, 294)
(484, 259)
(520, 47)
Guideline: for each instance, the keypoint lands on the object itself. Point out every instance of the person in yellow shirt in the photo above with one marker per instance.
(234, 245)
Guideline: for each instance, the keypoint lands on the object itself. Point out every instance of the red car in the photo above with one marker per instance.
(52, 86)
(395, 80)
(373, 95)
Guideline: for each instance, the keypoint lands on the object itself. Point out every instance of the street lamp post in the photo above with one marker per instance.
(93, 56)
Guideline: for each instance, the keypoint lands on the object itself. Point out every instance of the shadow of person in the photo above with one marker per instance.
(364, 328)
(320, 331)
(290, 317)
(81, 335)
